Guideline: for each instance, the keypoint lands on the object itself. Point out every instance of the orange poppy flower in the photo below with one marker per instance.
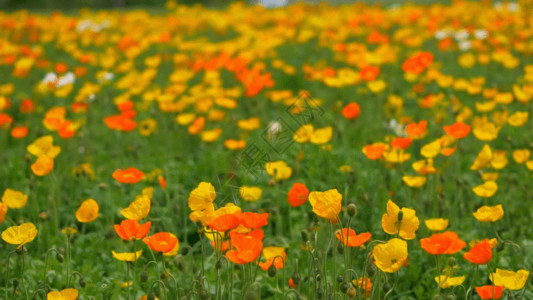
(27, 106)
(351, 111)
(79, 107)
(253, 220)
(369, 73)
(374, 151)
(19, 132)
(458, 130)
(416, 130)
(225, 222)
(402, 143)
(442, 243)
(349, 238)
(61, 68)
(129, 175)
(480, 254)
(197, 126)
(131, 229)
(5, 121)
(292, 284)
(235, 144)
(161, 242)
(298, 194)
(247, 247)
(486, 291)
(120, 122)
(162, 182)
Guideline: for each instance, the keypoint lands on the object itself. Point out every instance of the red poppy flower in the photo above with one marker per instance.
(369, 73)
(225, 222)
(351, 111)
(161, 242)
(480, 254)
(131, 229)
(298, 194)
(27, 106)
(486, 291)
(253, 220)
(349, 238)
(246, 246)
(129, 175)
(402, 143)
(442, 243)
(416, 130)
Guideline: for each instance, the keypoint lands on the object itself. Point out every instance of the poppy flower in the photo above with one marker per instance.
(138, 209)
(486, 190)
(489, 213)
(490, 292)
(43, 165)
(350, 239)
(510, 280)
(88, 211)
(298, 194)
(14, 199)
(225, 222)
(253, 220)
(458, 130)
(405, 227)
(3, 212)
(127, 256)
(202, 197)
(326, 204)
(20, 235)
(351, 110)
(303, 134)
(321, 136)
(273, 256)
(442, 243)
(483, 159)
(416, 130)
(446, 281)
(246, 246)
(19, 132)
(436, 224)
(278, 169)
(129, 230)
(5, 121)
(44, 146)
(414, 181)
(520, 156)
(250, 193)
(163, 242)
(390, 256)
(401, 142)
(480, 254)
(374, 151)
(66, 294)
(129, 175)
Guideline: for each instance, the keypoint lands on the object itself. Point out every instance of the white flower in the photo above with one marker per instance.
(461, 35)
(481, 34)
(441, 34)
(273, 3)
(50, 78)
(465, 45)
(66, 79)
(397, 128)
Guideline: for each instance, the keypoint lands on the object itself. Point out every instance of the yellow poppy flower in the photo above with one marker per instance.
(518, 119)
(44, 146)
(492, 176)
(437, 224)
(321, 136)
(376, 86)
(396, 156)
(14, 199)
(406, 227)
(486, 189)
(210, 136)
(424, 166)
(250, 193)
(499, 159)
(447, 281)
(147, 126)
(432, 149)
(202, 196)
(303, 134)
(486, 131)
(279, 169)
(88, 211)
(414, 181)
(520, 156)
(326, 204)
(529, 165)
(20, 235)
(69, 230)
(509, 279)
(127, 256)
(248, 124)
(138, 209)
(391, 256)
(66, 294)
(185, 119)
(489, 213)
(483, 159)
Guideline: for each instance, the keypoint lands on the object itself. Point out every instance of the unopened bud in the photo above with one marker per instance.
(82, 282)
(144, 276)
(340, 248)
(185, 250)
(451, 261)
(371, 270)
(305, 236)
(296, 277)
(386, 287)
(218, 265)
(400, 216)
(150, 296)
(352, 209)
(344, 287)
(499, 247)
(272, 270)
(340, 278)
(59, 257)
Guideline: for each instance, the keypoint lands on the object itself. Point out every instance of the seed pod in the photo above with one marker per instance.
(144, 276)
(352, 209)
(272, 270)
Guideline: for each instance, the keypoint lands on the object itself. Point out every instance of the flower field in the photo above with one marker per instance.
(297, 152)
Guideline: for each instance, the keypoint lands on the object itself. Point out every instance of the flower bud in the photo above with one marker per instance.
(59, 257)
(400, 216)
(352, 209)
(371, 270)
(305, 236)
(351, 292)
(185, 250)
(344, 287)
(340, 278)
(499, 247)
(144, 276)
(218, 265)
(452, 261)
(296, 277)
(340, 248)
(82, 282)
(272, 270)
(386, 287)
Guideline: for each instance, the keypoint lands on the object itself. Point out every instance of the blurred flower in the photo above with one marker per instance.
(486, 190)
(442, 243)
(66, 294)
(390, 256)
(129, 230)
(14, 199)
(279, 169)
(298, 194)
(405, 227)
(446, 281)
(250, 193)
(88, 211)
(273, 256)
(127, 256)
(489, 213)
(350, 239)
(509, 279)
(436, 224)
(130, 175)
(326, 204)
(20, 235)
